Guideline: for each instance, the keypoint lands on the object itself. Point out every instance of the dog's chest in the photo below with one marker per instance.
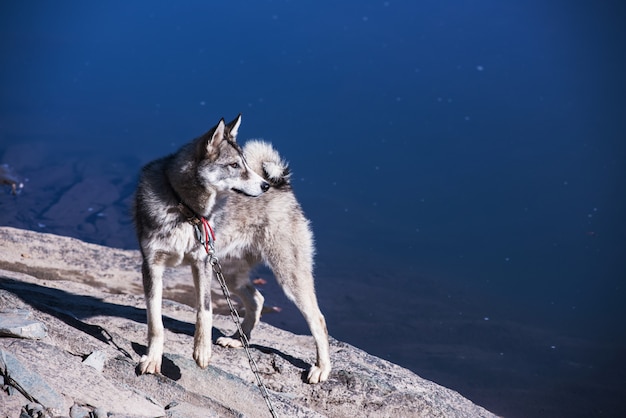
(179, 245)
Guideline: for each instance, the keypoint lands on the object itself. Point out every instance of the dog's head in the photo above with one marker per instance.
(221, 163)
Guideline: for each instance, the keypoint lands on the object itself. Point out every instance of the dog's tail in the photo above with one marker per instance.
(265, 160)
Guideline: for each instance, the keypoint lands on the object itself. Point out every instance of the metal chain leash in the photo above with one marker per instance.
(217, 268)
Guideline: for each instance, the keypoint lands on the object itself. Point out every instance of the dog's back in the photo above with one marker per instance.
(152, 198)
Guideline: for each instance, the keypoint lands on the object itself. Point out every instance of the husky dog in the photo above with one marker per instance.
(246, 196)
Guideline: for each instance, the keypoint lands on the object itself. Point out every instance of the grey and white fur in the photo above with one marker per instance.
(247, 197)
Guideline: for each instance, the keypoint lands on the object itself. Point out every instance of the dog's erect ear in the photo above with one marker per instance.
(209, 146)
(217, 137)
(233, 127)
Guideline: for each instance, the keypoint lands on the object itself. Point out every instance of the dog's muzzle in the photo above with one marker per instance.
(265, 186)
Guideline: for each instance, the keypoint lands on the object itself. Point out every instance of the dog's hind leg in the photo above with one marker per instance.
(202, 273)
(237, 274)
(296, 279)
(153, 290)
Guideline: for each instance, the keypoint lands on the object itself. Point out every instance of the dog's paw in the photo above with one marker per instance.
(317, 375)
(229, 342)
(202, 355)
(149, 365)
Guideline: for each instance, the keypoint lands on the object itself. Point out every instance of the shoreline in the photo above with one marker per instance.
(45, 279)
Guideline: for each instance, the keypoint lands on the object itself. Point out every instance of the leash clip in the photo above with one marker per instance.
(199, 235)
(205, 235)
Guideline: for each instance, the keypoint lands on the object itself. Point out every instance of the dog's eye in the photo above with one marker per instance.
(234, 165)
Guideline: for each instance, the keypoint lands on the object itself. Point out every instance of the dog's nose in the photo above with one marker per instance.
(265, 186)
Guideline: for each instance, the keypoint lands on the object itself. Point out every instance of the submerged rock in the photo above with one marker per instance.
(8, 177)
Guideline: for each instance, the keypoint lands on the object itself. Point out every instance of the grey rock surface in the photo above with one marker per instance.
(17, 323)
(28, 383)
(88, 298)
(96, 360)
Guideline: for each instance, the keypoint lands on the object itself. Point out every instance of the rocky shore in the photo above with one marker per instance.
(72, 329)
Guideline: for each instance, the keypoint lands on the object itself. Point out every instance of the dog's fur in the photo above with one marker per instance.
(247, 197)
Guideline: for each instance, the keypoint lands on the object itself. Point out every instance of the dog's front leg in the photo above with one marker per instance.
(202, 273)
(153, 290)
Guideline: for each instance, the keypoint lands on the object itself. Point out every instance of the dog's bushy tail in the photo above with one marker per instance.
(265, 160)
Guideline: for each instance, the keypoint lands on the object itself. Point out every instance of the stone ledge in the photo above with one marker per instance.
(82, 319)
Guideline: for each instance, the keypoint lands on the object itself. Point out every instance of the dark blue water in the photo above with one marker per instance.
(463, 164)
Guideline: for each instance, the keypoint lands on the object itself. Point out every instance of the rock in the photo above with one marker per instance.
(100, 413)
(62, 258)
(17, 324)
(79, 411)
(88, 199)
(35, 410)
(96, 360)
(79, 383)
(85, 197)
(28, 382)
(8, 176)
(84, 320)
